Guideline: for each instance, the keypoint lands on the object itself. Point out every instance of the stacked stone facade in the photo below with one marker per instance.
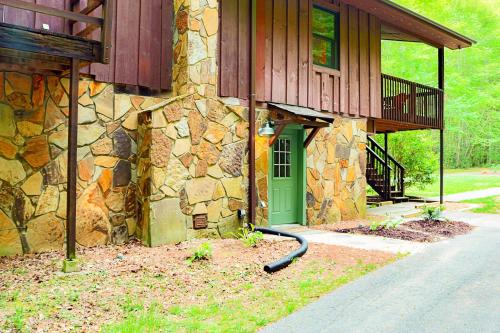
(335, 171)
(192, 161)
(148, 165)
(195, 47)
(33, 149)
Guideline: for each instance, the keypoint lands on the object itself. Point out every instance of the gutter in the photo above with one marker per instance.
(252, 192)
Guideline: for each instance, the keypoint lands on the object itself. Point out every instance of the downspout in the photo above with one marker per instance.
(252, 192)
(288, 259)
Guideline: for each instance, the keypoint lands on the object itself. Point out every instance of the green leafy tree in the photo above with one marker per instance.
(472, 78)
(417, 152)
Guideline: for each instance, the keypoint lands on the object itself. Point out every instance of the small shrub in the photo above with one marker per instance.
(202, 252)
(387, 224)
(250, 237)
(432, 213)
(16, 320)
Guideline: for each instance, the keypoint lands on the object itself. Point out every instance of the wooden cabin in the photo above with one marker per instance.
(189, 118)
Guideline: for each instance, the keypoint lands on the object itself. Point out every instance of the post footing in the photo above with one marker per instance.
(71, 266)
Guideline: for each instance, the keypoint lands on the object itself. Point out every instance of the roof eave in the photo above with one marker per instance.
(426, 20)
(409, 22)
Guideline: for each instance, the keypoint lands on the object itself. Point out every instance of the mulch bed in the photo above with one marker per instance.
(416, 231)
(403, 234)
(447, 229)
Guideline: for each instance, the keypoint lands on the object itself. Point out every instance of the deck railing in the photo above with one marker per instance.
(410, 102)
(91, 14)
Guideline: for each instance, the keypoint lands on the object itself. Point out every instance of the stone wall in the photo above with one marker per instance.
(195, 47)
(33, 162)
(192, 161)
(336, 164)
(335, 174)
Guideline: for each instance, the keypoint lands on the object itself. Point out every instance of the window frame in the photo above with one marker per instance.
(335, 61)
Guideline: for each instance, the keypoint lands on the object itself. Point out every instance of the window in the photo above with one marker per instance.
(282, 156)
(325, 30)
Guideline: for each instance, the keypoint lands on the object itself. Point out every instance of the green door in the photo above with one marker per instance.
(284, 175)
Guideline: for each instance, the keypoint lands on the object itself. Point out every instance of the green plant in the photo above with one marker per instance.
(249, 236)
(17, 319)
(387, 224)
(202, 252)
(432, 213)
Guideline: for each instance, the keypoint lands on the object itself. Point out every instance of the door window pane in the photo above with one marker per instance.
(282, 158)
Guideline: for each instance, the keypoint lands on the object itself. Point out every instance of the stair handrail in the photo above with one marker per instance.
(377, 157)
(389, 156)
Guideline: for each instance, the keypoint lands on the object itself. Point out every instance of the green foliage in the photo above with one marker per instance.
(387, 224)
(202, 252)
(416, 152)
(457, 181)
(248, 311)
(472, 116)
(489, 205)
(249, 237)
(16, 320)
(432, 213)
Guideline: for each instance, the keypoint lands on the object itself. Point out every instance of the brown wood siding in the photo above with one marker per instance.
(141, 38)
(285, 73)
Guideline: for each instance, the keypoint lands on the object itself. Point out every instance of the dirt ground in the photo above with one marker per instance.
(114, 277)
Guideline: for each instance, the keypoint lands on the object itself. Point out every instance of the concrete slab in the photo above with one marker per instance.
(355, 241)
(490, 192)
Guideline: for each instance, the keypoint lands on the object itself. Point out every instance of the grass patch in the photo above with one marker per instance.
(457, 181)
(250, 310)
(490, 205)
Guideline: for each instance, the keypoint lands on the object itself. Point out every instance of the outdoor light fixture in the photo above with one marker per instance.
(267, 129)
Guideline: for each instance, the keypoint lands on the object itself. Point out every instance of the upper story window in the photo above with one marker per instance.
(326, 41)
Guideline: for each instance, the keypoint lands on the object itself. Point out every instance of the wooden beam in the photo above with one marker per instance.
(277, 133)
(107, 14)
(91, 6)
(72, 161)
(29, 40)
(52, 11)
(302, 122)
(87, 31)
(311, 136)
(14, 60)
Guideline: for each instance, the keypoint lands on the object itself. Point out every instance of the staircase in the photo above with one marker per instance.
(384, 174)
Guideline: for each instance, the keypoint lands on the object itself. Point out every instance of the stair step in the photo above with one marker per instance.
(400, 199)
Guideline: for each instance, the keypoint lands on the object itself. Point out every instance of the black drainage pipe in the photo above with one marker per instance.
(287, 260)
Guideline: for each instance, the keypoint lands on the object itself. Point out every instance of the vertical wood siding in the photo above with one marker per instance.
(285, 72)
(141, 38)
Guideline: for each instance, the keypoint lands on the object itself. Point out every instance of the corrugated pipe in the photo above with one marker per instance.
(286, 260)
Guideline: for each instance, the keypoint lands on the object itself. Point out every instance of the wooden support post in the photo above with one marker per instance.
(72, 161)
(387, 175)
(107, 15)
(441, 166)
(277, 133)
(311, 136)
(441, 131)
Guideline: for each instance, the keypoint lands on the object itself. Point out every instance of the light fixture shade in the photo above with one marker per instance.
(266, 130)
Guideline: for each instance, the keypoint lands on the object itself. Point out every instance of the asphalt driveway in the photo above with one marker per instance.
(452, 286)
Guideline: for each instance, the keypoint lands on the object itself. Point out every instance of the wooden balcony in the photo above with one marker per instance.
(408, 105)
(44, 38)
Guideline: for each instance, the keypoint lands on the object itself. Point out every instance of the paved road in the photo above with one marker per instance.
(490, 192)
(452, 286)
